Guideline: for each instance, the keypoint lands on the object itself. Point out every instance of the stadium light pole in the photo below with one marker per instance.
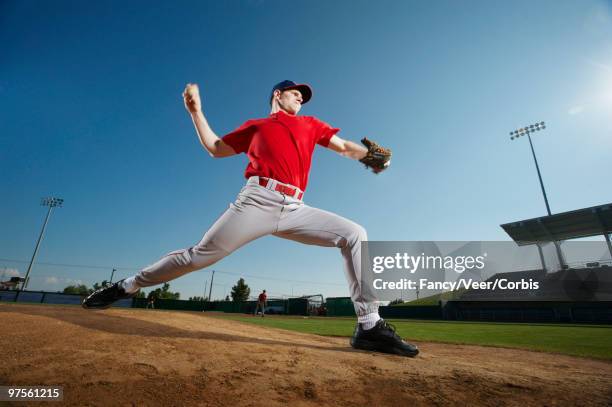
(211, 285)
(51, 202)
(527, 130)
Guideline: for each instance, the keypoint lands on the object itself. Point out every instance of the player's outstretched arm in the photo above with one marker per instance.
(347, 148)
(375, 157)
(209, 140)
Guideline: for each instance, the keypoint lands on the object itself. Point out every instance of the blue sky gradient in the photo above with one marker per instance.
(91, 111)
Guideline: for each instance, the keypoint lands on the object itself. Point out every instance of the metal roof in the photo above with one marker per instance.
(593, 221)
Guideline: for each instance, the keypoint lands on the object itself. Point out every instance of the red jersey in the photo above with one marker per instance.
(280, 146)
(262, 297)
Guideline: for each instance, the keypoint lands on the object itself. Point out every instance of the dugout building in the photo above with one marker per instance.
(569, 292)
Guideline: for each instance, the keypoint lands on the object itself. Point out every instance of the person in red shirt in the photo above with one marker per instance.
(261, 303)
(279, 149)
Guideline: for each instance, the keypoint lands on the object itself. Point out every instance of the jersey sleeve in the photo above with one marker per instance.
(324, 132)
(240, 139)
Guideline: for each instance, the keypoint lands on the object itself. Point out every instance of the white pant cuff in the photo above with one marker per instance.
(368, 321)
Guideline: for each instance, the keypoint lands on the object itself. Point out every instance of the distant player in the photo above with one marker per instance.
(261, 303)
(151, 300)
(279, 148)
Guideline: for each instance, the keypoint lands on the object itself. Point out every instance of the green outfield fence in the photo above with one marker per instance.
(339, 307)
(291, 306)
(496, 311)
(178, 305)
(528, 311)
(413, 312)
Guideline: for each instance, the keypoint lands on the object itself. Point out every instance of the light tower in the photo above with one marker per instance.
(51, 202)
(527, 130)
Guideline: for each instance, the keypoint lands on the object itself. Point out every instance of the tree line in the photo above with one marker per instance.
(240, 292)
(162, 292)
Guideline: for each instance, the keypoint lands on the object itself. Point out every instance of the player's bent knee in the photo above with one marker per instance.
(359, 233)
(206, 254)
(182, 257)
(363, 234)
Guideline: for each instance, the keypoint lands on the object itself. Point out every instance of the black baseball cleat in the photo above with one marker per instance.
(105, 296)
(382, 338)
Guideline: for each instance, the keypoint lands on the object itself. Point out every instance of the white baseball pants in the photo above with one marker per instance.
(257, 212)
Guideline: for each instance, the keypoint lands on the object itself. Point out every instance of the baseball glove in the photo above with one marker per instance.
(378, 158)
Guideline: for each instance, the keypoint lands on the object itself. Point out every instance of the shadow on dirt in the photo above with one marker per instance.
(102, 321)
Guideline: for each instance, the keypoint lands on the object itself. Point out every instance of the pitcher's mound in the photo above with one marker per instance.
(137, 357)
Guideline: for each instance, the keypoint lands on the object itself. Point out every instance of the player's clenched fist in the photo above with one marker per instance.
(191, 97)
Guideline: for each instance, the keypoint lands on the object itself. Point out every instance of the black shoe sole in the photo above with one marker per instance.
(90, 307)
(377, 347)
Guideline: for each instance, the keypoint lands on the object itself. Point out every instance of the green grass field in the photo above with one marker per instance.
(593, 341)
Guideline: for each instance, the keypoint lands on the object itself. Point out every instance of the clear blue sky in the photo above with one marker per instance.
(90, 111)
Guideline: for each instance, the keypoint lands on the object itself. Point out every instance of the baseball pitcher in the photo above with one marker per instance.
(279, 149)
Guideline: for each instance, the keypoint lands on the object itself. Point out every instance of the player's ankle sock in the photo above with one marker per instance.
(368, 321)
(129, 285)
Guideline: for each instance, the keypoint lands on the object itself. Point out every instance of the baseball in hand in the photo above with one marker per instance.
(191, 97)
(192, 90)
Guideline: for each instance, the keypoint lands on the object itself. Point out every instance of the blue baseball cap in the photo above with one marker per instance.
(304, 89)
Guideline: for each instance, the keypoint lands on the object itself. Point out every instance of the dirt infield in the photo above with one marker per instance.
(139, 357)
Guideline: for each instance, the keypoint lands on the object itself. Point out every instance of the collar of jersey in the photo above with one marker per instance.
(283, 112)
